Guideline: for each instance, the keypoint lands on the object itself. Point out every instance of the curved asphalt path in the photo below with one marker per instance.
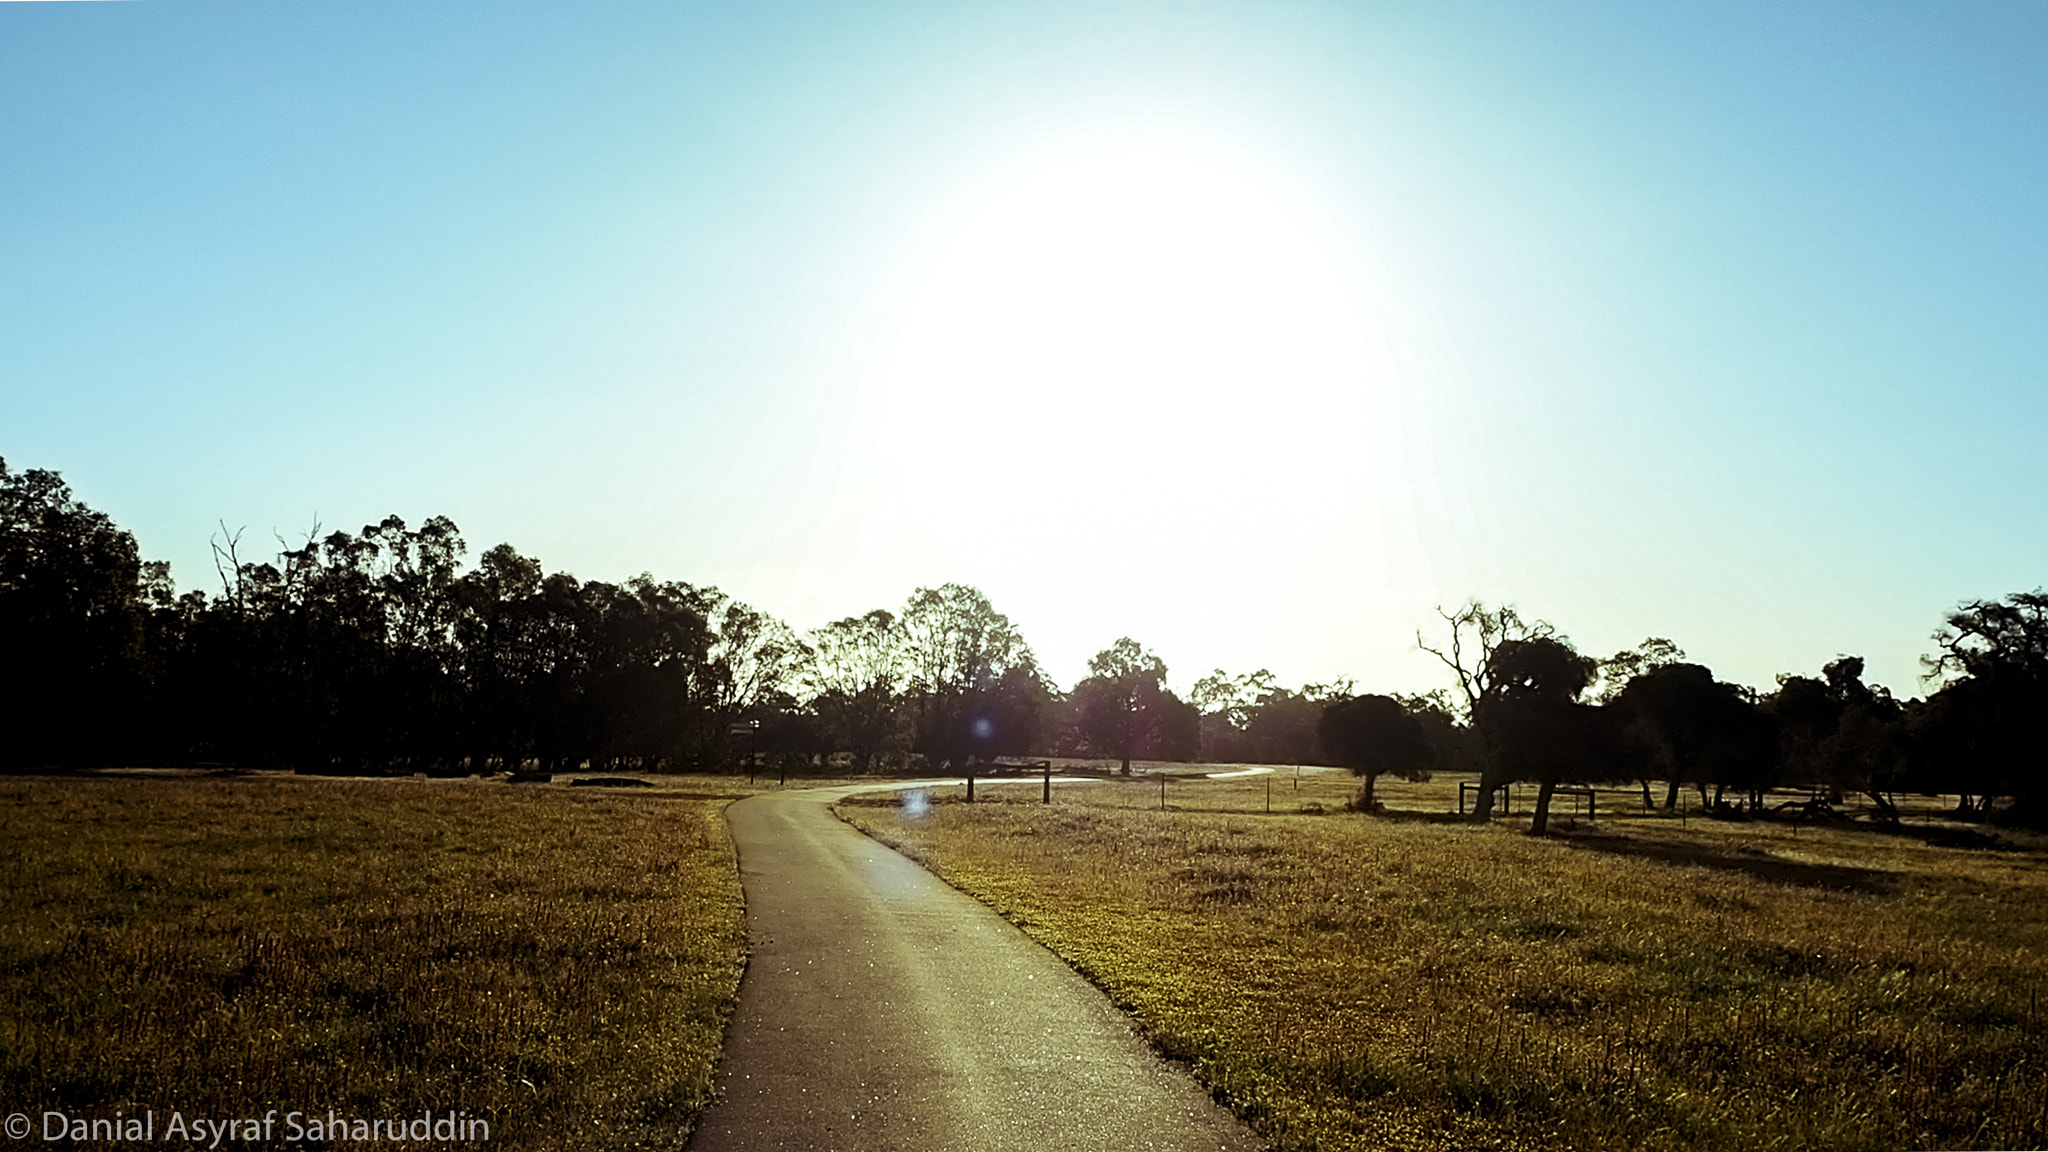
(883, 1010)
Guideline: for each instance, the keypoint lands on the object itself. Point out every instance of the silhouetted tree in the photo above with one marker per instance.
(1840, 734)
(1535, 727)
(1960, 744)
(957, 650)
(1476, 634)
(751, 660)
(1282, 728)
(1615, 674)
(1617, 670)
(1008, 716)
(509, 645)
(1224, 705)
(1869, 750)
(1452, 745)
(373, 649)
(1807, 715)
(856, 665)
(74, 673)
(1700, 730)
(1993, 716)
(1122, 702)
(1372, 736)
(648, 646)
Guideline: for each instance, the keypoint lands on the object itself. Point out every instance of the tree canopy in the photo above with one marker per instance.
(1126, 710)
(1374, 736)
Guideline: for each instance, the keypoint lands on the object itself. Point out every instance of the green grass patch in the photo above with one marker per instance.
(558, 962)
(1351, 982)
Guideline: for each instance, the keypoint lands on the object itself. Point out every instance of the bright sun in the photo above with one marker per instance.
(1151, 322)
(1153, 293)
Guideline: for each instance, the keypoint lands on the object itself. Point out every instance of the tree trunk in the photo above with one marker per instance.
(1671, 794)
(1649, 801)
(1365, 795)
(1482, 810)
(1540, 826)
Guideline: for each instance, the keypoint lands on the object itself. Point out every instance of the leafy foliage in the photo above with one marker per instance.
(1126, 710)
(1373, 736)
(975, 688)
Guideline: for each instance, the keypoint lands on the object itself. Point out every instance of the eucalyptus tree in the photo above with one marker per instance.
(1838, 733)
(1469, 650)
(1536, 728)
(1702, 731)
(419, 698)
(1990, 717)
(71, 624)
(1452, 744)
(358, 642)
(1252, 718)
(1617, 670)
(508, 646)
(1226, 705)
(1282, 726)
(648, 638)
(1375, 736)
(854, 677)
(1522, 684)
(1126, 709)
(965, 664)
(750, 664)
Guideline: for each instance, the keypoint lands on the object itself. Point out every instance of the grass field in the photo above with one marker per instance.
(1352, 982)
(558, 962)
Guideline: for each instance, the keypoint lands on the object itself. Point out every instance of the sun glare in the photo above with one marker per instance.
(1147, 361)
(1141, 316)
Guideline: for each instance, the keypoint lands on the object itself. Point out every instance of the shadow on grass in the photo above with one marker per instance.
(1949, 836)
(1754, 862)
(1407, 816)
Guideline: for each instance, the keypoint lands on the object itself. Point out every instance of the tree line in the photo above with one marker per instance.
(1534, 710)
(382, 650)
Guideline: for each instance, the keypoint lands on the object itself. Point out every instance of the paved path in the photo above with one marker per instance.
(882, 1010)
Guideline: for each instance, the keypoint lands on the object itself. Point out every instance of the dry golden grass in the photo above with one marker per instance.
(559, 962)
(1349, 982)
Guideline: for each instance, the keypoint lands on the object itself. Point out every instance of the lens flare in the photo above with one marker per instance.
(916, 803)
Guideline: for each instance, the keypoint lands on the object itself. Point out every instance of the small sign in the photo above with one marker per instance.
(740, 729)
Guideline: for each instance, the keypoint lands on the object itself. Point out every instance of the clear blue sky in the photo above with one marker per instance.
(1251, 330)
